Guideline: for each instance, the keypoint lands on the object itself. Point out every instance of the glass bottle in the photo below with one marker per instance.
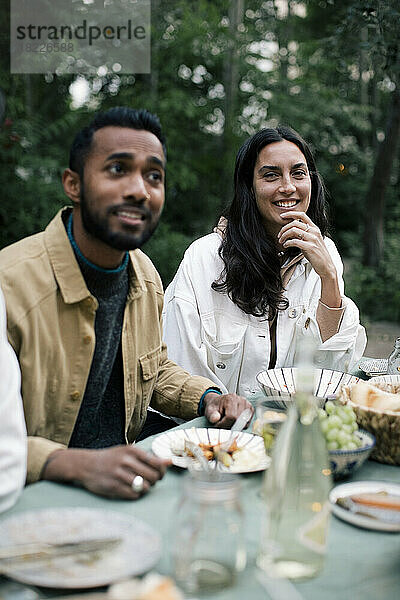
(296, 487)
(394, 359)
(208, 549)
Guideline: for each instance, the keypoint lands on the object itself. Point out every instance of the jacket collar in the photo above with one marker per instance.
(66, 269)
(300, 267)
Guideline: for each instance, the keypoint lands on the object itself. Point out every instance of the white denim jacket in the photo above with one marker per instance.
(207, 334)
(13, 444)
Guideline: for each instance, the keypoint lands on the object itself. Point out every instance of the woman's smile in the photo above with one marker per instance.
(286, 203)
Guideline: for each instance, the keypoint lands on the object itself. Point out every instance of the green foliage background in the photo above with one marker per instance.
(328, 68)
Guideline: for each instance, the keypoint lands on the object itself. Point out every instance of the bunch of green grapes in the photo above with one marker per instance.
(338, 424)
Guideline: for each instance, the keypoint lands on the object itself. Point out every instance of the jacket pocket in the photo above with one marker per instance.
(148, 366)
(225, 359)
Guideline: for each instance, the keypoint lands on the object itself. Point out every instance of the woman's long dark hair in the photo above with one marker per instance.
(251, 275)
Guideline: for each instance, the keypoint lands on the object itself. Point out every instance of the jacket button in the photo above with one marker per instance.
(307, 323)
(75, 395)
(221, 365)
(292, 313)
(87, 339)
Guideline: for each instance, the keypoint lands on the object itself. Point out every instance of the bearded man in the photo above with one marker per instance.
(84, 311)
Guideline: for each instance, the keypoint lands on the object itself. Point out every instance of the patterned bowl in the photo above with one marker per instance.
(345, 462)
(392, 379)
(281, 382)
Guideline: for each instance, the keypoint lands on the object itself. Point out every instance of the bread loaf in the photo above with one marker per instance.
(365, 394)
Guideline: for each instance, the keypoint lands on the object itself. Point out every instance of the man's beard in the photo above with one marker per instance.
(97, 226)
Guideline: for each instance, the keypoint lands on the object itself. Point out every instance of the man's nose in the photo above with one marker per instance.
(136, 188)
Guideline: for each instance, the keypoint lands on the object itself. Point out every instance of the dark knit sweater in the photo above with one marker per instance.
(101, 418)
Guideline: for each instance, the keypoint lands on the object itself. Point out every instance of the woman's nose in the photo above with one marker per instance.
(287, 185)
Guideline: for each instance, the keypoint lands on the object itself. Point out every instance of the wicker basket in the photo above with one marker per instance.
(385, 426)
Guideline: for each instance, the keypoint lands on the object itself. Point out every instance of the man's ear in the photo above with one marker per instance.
(72, 185)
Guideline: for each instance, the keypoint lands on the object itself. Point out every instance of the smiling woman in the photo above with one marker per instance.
(281, 182)
(246, 294)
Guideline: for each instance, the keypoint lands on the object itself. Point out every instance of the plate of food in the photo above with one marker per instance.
(135, 549)
(368, 504)
(247, 452)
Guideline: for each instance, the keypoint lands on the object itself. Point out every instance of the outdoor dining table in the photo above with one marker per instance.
(360, 564)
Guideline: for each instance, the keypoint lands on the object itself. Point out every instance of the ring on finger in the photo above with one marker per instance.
(301, 236)
(308, 227)
(138, 484)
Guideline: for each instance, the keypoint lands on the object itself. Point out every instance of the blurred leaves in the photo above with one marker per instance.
(328, 68)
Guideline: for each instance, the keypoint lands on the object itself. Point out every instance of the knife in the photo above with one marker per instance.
(221, 453)
(381, 514)
(238, 425)
(42, 551)
(197, 452)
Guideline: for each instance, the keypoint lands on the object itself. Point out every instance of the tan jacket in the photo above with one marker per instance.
(51, 318)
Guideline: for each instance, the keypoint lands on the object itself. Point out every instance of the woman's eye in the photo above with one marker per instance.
(299, 174)
(270, 175)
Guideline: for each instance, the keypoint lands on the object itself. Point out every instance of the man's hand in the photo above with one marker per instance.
(107, 472)
(224, 409)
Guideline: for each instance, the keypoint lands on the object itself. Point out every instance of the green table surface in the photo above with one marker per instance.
(360, 564)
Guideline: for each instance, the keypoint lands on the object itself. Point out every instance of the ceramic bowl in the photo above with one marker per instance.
(345, 462)
(281, 382)
(392, 379)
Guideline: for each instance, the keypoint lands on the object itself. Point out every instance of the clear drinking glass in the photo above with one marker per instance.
(208, 547)
(270, 415)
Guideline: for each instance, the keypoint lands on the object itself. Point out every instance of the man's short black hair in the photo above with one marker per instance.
(119, 116)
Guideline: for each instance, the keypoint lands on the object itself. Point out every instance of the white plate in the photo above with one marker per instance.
(139, 550)
(360, 487)
(374, 366)
(161, 446)
(282, 382)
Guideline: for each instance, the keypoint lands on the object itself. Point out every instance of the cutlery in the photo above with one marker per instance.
(220, 450)
(221, 453)
(38, 551)
(237, 427)
(382, 514)
(197, 452)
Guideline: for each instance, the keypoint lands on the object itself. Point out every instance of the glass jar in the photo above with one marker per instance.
(208, 549)
(270, 415)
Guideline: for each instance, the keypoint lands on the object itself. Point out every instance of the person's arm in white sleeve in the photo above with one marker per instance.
(13, 442)
(182, 334)
(344, 347)
(182, 330)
